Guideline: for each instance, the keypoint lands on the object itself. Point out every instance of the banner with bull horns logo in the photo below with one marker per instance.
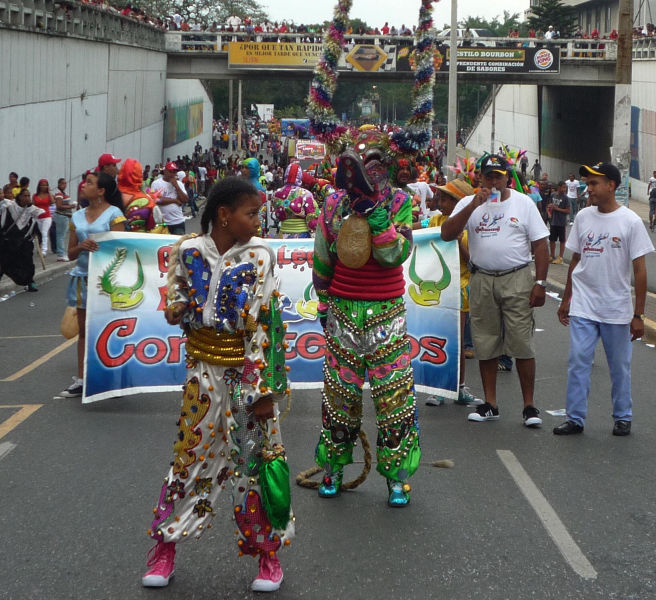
(132, 349)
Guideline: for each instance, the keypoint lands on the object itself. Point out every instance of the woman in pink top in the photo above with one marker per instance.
(43, 199)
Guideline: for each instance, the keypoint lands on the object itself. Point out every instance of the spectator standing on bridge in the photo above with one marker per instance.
(172, 198)
(609, 242)
(504, 227)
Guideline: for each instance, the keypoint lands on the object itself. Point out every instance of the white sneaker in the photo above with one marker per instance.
(74, 390)
(435, 401)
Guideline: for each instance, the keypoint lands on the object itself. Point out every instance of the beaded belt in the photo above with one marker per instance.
(206, 344)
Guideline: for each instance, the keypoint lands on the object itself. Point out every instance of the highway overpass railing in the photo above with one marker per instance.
(207, 41)
(76, 19)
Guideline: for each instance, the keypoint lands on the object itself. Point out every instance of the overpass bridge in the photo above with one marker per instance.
(227, 55)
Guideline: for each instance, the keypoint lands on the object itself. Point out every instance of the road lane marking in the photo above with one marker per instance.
(6, 448)
(39, 361)
(17, 418)
(552, 523)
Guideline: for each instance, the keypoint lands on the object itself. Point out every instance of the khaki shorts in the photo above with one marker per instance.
(501, 318)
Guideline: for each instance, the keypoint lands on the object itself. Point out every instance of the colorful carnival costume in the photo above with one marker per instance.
(294, 206)
(365, 330)
(363, 238)
(252, 170)
(141, 210)
(235, 356)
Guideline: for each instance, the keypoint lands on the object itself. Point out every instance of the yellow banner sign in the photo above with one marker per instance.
(271, 54)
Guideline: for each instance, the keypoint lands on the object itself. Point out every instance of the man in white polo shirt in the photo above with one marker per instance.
(503, 227)
(172, 198)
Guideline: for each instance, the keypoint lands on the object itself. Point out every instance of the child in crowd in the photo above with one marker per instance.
(223, 293)
(104, 213)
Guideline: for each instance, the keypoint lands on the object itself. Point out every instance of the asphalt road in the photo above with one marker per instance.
(78, 484)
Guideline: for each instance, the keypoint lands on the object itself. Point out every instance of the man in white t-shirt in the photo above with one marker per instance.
(202, 176)
(172, 198)
(573, 195)
(503, 228)
(608, 242)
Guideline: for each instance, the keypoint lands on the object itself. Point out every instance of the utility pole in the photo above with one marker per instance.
(621, 149)
(231, 122)
(452, 126)
(239, 119)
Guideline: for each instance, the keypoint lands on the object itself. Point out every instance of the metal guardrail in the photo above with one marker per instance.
(79, 20)
(206, 41)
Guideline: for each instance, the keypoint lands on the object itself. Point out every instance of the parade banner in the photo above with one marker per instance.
(488, 60)
(132, 349)
(273, 54)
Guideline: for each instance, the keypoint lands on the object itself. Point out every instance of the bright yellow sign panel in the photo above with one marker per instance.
(366, 57)
(269, 54)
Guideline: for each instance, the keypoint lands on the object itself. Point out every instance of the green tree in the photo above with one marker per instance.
(497, 26)
(553, 12)
(202, 11)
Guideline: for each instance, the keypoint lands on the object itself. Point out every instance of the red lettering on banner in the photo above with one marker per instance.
(297, 258)
(163, 255)
(168, 350)
(311, 346)
(122, 328)
(161, 351)
(434, 350)
(162, 297)
(414, 347)
(174, 343)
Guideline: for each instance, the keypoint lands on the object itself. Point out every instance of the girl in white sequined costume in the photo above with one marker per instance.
(222, 292)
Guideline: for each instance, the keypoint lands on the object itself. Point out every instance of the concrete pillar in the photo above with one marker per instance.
(453, 90)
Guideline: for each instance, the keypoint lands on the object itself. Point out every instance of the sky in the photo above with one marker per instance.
(376, 12)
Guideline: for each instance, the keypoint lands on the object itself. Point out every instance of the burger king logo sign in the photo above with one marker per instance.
(543, 58)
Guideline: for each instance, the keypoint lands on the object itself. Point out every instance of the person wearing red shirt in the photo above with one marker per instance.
(43, 199)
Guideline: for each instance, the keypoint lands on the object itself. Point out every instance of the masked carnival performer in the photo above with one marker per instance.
(363, 237)
(141, 211)
(222, 292)
(294, 206)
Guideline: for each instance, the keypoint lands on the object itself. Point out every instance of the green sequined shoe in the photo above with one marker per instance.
(331, 485)
(399, 493)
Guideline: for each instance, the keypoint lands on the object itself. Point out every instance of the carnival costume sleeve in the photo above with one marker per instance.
(323, 265)
(391, 231)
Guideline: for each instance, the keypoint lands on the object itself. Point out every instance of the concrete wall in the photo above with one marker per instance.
(181, 91)
(516, 123)
(64, 101)
(643, 126)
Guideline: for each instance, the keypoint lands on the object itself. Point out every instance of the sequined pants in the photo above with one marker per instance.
(366, 336)
(219, 442)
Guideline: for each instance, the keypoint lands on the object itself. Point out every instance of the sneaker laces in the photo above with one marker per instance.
(157, 555)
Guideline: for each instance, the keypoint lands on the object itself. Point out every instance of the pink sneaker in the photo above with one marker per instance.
(161, 558)
(270, 576)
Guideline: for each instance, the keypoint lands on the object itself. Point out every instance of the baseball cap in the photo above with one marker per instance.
(171, 166)
(108, 159)
(607, 170)
(494, 164)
